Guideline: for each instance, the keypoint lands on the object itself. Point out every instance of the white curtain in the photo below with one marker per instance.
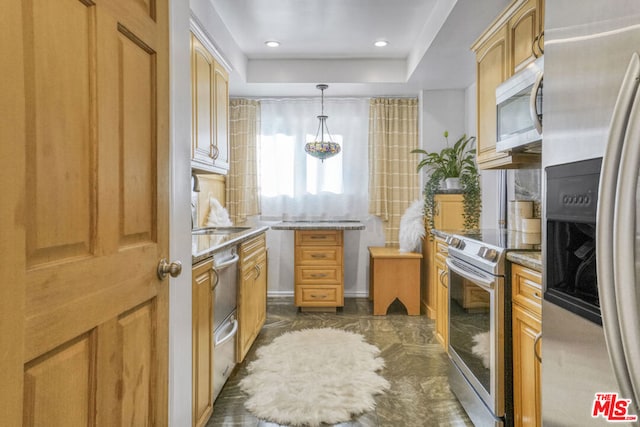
(295, 185)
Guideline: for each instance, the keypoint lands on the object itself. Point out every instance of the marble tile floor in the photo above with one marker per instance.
(416, 366)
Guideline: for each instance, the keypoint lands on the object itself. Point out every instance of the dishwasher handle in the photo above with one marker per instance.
(226, 264)
(219, 341)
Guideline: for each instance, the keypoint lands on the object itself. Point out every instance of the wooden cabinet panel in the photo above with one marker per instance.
(319, 274)
(527, 320)
(202, 341)
(442, 304)
(447, 216)
(252, 293)
(523, 27)
(491, 70)
(210, 110)
(526, 368)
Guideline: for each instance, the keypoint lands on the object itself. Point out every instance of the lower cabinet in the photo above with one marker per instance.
(527, 326)
(252, 293)
(202, 341)
(442, 301)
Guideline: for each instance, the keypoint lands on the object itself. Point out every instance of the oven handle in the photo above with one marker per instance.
(467, 273)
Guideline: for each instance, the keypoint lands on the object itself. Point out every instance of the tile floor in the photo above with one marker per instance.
(416, 366)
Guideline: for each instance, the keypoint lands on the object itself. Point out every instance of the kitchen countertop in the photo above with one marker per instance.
(204, 245)
(532, 260)
(319, 225)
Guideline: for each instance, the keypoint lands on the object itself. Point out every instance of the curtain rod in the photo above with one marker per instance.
(298, 98)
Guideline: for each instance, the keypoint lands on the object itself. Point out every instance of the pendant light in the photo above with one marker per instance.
(321, 148)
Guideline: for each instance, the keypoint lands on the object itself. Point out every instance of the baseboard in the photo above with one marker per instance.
(281, 294)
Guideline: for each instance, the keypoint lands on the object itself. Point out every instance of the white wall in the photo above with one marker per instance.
(441, 110)
(179, 229)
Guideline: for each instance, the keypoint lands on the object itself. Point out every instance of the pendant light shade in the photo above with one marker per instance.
(322, 148)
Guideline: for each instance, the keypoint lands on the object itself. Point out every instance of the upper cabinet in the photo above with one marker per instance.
(210, 111)
(507, 46)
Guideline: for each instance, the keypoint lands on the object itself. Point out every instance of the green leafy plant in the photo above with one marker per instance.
(452, 162)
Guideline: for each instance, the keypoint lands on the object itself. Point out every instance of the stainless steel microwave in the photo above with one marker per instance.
(519, 110)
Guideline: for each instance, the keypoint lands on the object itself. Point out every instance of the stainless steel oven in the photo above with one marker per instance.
(479, 328)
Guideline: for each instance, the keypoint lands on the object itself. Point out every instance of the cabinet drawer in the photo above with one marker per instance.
(319, 255)
(442, 248)
(318, 275)
(319, 237)
(526, 288)
(251, 248)
(319, 296)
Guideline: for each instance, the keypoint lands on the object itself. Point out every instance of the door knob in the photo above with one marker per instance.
(164, 267)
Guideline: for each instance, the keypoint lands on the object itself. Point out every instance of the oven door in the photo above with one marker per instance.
(477, 335)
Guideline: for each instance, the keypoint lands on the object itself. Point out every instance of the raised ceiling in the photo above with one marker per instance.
(331, 41)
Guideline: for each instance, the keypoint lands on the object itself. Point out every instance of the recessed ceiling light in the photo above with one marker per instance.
(272, 43)
(381, 43)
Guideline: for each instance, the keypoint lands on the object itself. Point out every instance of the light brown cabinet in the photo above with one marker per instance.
(252, 293)
(210, 111)
(507, 46)
(202, 341)
(319, 275)
(527, 319)
(447, 216)
(442, 296)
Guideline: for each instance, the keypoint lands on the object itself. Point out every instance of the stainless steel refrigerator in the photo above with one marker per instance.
(592, 110)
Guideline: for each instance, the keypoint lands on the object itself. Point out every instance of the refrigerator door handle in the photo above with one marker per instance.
(624, 250)
(604, 224)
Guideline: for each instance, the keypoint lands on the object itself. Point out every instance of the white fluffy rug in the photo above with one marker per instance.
(314, 376)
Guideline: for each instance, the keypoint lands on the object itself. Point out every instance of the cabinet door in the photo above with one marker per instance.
(260, 294)
(442, 305)
(246, 310)
(203, 114)
(523, 29)
(448, 212)
(526, 368)
(202, 330)
(491, 70)
(221, 143)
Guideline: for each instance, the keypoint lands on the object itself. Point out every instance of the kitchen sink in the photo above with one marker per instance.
(219, 230)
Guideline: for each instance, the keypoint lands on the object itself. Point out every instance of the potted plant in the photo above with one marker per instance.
(457, 163)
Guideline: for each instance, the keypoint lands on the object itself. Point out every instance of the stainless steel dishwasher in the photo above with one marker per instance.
(225, 324)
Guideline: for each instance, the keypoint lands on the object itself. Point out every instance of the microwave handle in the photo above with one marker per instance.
(533, 103)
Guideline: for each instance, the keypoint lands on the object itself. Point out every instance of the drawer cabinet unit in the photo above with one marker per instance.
(506, 47)
(527, 319)
(202, 341)
(252, 293)
(319, 272)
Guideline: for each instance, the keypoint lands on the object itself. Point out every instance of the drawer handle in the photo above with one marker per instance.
(537, 295)
(318, 237)
(315, 296)
(535, 346)
(442, 275)
(319, 275)
(318, 256)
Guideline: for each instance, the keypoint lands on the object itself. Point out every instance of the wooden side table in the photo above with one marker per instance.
(394, 274)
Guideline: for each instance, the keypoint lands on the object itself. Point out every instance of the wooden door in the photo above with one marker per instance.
(86, 214)
(491, 70)
(202, 98)
(221, 152)
(526, 368)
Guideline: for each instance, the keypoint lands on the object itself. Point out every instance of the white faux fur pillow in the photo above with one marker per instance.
(218, 215)
(412, 227)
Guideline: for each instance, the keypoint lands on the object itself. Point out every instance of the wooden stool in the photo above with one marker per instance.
(394, 274)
